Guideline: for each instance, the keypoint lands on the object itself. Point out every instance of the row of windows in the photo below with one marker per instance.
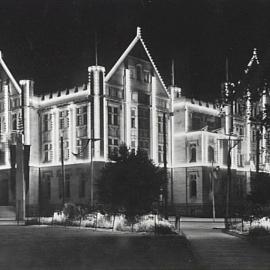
(66, 185)
(81, 119)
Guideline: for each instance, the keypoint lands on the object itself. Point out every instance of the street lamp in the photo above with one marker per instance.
(91, 140)
(214, 172)
(229, 172)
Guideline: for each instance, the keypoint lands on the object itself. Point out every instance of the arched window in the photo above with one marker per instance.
(193, 186)
(211, 154)
(193, 153)
(14, 122)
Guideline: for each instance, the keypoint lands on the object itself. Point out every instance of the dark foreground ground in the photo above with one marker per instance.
(73, 248)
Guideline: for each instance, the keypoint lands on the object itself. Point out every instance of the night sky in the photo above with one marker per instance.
(53, 42)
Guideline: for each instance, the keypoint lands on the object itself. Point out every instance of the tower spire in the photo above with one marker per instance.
(227, 69)
(172, 72)
(96, 53)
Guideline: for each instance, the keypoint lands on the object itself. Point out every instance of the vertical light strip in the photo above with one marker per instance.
(6, 117)
(71, 131)
(203, 148)
(248, 135)
(89, 135)
(127, 108)
(227, 120)
(26, 112)
(186, 118)
(105, 126)
(154, 132)
(96, 114)
(264, 101)
(172, 127)
(55, 134)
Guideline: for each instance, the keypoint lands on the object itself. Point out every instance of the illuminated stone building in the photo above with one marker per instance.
(123, 105)
(126, 104)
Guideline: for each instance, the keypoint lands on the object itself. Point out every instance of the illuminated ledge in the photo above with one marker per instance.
(197, 107)
(199, 132)
(197, 164)
(5, 167)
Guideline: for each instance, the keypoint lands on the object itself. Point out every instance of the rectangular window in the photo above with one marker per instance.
(82, 187)
(113, 116)
(160, 154)
(47, 152)
(133, 118)
(193, 185)
(81, 116)
(146, 76)
(193, 153)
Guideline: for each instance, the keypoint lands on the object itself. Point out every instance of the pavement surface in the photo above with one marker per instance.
(39, 248)
(215, 250)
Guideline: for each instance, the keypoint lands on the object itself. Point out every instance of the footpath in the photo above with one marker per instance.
(215, 250)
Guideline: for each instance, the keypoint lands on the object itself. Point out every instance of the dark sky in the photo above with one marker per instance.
(52, 42)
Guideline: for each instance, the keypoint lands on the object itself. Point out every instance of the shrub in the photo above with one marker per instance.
(71, 211)
(258, 231)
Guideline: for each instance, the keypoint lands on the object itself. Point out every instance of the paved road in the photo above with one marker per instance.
(216, 250)
(39, 248)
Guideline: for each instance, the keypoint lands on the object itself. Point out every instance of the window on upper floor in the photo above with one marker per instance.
(133, 118)
(146, 76)
(211, 154)
(193, 154)
(81, 116)
(47, 122)
(113, 115)
(64, 119)
(139, 72)
(14, 122)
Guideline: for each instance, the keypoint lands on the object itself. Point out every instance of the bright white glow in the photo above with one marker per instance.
(186, 118)
(96, 114)
(227, 119)
(195, 107)
(55, 134)
(127, 107)
(202, 146)
(154, 133)
(6, 117)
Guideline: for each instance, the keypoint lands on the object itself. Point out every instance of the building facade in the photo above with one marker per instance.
(126, 105)
(130, 104)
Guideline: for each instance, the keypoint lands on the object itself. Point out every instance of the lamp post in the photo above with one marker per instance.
(91, 140)
(229, 180)
(213, 177)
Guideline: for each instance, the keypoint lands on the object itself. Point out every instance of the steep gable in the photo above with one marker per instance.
(138, 49)
(6, 76)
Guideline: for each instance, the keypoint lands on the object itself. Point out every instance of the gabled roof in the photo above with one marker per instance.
(5, 68)
(253, 58)
(138, 38)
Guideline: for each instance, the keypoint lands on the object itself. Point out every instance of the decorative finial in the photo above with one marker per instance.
(139, 32)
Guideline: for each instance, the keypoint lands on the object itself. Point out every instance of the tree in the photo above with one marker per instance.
(130, 184)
